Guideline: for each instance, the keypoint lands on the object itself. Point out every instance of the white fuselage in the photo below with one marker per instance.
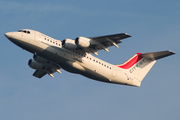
(75, 61)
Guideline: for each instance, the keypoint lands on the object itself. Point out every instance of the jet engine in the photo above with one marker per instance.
(42, 64)
(39, 59)
(35, 65)
(82, 42)
(69, 44)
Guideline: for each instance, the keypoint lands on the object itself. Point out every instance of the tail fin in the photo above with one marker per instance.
(139, 65)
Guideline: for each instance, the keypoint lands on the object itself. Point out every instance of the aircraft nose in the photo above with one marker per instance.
(8, 34)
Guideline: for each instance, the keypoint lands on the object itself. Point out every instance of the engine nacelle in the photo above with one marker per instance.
(69, 44)
(35, 65)
(39, 59)
(82, 42)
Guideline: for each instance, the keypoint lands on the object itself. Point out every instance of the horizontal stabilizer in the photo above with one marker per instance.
(157, 55)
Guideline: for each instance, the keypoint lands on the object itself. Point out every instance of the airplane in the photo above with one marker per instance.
(75, 56)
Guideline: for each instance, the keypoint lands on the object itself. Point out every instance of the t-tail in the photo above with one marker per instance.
(139, 65)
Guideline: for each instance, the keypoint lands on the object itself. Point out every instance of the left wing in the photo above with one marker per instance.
(39, 73)
(43, 66)
(102, 42)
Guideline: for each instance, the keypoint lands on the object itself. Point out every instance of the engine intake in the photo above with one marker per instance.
(35, 65)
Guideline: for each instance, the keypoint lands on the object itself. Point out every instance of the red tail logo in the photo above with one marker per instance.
(131, 62)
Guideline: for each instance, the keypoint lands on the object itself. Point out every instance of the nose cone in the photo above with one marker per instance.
(8, 34)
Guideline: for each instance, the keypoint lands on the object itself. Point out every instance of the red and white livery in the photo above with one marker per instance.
(50, 55)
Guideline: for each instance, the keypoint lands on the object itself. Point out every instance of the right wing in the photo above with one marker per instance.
(103, 42)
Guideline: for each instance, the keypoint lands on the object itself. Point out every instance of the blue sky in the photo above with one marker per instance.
(154, 26)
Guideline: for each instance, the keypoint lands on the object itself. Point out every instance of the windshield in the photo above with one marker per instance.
(24, 31)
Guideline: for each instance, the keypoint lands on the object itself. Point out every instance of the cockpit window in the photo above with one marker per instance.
(20, 30)
(24, 31)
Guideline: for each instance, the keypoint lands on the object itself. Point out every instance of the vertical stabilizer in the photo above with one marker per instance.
(139, 65)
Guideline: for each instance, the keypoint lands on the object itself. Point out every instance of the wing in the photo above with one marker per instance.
(43, 66)
(39, 73)
(103, 42)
